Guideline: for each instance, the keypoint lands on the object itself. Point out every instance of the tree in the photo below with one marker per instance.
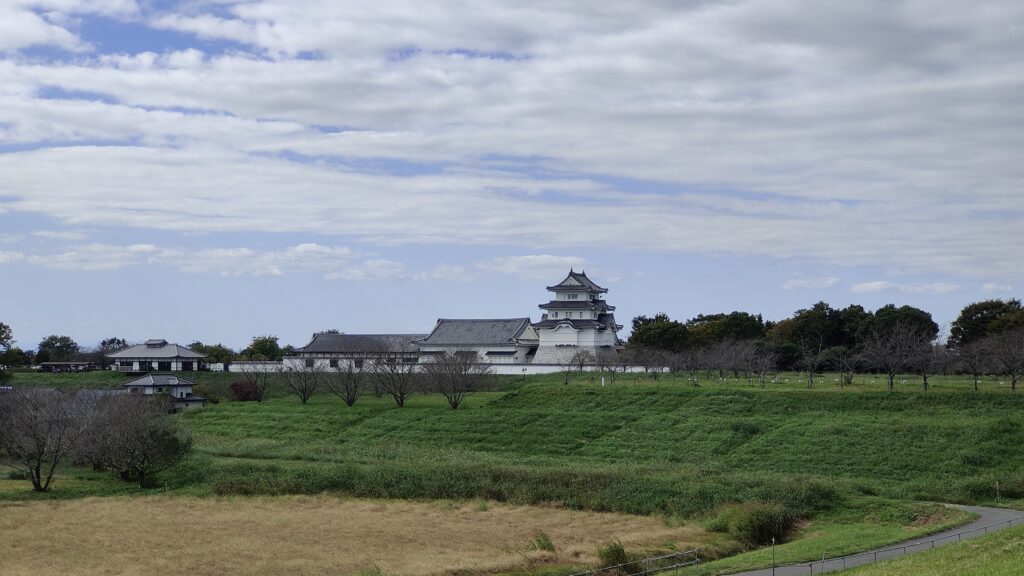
(609, 360)
(975, 357)
(260, 380)
(39, 429)
(893, 350)
(583, 358)
(215, 353)
(930, 358)
(845, 361)
(111, 345)
(766, 360)
(6, 337)
(56, 348)
(346, 383)
(303, 381)
(136, 437)
(976, 320)
(1007, 351)
(394, 376)
(658, 333)
(888, 317)
(456, 376)
(264, 348)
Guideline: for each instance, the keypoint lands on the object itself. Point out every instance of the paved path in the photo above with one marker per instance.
(996, 518)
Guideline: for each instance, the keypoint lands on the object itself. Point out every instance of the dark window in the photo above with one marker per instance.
(187, 366)
(334, 362)
(164, 366)
(310, 363)
(358, 363)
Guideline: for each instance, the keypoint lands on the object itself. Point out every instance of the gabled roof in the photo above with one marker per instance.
(153, 349)
(577, 281)
(335, 343)
(159, 380)
(474, 332)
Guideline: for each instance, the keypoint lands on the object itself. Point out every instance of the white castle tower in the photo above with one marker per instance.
(577, 319)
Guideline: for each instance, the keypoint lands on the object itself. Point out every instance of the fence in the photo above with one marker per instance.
(652, 565)
(844, 562)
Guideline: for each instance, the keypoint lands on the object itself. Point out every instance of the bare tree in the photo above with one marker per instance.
(137, 437)
(583, 358)
(1007, 349)
(893, 350)
(812, 355)
(975, 357)
(395, 376)
(845, 361)
(346, 383)
(259, 378)
(609, 360)
(303, 381)
(766, 361)
(456, 376)
(929, 359)
(40, 428)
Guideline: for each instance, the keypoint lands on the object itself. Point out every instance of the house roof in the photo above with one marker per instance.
(156, 349)
(476, 332)
(576, 305)
(159, 380)
(577, 281)
(603, 322)
(334, 343)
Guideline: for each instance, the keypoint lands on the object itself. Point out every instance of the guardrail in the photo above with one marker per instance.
(652, 565)
(853, 560)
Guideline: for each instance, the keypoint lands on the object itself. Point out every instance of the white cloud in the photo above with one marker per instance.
(532, 266)
(801, 282)
(61, 235)
(308, 257)
(782, 129)
(9, 257)
(884, 286)
(94, 257)
(995, 287)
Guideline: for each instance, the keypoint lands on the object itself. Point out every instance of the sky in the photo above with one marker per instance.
(218, 169)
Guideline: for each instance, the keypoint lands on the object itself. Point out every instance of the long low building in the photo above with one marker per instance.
(494, 341)
(156, 355)
(336, 350)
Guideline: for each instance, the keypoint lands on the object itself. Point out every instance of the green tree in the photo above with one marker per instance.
(215, 353)
(889, 318)
(977, 320)
(264, 348)
(658, 333)
(57, 348)
(6, 337)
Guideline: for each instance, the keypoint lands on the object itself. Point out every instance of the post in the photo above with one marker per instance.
(773, 555)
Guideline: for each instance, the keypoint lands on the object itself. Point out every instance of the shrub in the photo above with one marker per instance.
(17, 475)
(612, 554)
(753, 524)
(543, 542)
(206, 392)
(245, 391)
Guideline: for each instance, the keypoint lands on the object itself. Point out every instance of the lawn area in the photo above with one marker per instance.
(847, 469)
(1000, 554)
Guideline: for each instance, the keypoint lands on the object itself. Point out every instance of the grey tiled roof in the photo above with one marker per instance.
(476, 332)
(159, 380)
(332, 343)
(575, 323)
(576, 305)
(581, 281)
(165, 351)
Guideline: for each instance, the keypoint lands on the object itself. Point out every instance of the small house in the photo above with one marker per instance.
(157, 355)
(179, 389)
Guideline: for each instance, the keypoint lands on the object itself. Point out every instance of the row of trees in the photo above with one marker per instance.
(133, 436)
(985, 338)
(453, 375)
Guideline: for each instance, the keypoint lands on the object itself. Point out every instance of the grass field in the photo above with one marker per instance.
(847, 464)
(1000, 554)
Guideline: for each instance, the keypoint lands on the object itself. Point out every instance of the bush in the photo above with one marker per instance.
(206, 392)
(753, 524)
(17, 475)
(612, 554)
(543, 542)
(245, 391)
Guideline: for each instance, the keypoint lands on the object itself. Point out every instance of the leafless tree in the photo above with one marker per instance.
(846, 361)
(975, 357)
(1007, 350)
(346, 383)
(609, 360)
(929, 359)
(766, 361)
(812, 356)
(893, 350)
(303, 381)
(395, 376)
(583, 358)
(456, 376)
(136, 436)
(41, 428)
(260, 379)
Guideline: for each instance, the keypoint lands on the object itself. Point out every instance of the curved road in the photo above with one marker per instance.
(999, 517)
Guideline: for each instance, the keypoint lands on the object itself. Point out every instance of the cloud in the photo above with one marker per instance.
(7, 257)
(801, 282)
(994, 287)
(775, 130)
(883, 286)
(94, 257)
(532, 266)
(60, 235)
(309, 257)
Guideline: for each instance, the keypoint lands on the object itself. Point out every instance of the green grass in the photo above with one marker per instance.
(1000, 554)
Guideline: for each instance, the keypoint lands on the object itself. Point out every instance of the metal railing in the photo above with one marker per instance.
(652, 565)
(844, 562)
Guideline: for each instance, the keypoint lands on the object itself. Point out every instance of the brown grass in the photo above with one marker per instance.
(158, 536)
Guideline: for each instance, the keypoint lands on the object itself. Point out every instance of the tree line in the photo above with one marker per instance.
(134, 436)
(986, 337)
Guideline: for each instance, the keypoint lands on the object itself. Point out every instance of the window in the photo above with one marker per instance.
(310, 363)
(358, 362)
(334, 362)
(554, 314)
(573, 296)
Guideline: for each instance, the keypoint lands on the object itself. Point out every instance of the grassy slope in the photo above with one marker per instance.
(999, 554)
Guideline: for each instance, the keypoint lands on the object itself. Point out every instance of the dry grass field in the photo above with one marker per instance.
(306, 535)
